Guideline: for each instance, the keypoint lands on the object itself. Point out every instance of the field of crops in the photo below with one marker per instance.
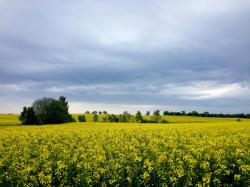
(9, 119)
(102, 154)
(12, 119)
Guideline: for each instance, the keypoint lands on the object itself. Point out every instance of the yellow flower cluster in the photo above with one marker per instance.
(207, 154)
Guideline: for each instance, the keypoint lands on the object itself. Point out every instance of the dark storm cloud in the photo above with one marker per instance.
(188, 54)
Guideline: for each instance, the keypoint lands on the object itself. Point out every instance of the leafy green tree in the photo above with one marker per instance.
(166, 113)
(138, 117)
(42, 109)
(206, 114)
(28, 116)
(125, 117)
(112, 118)
(51, 111)
(104, 119)
(95, 118)
(195, 113)
(81, 118)
(148, 113)
(156, 117)
(157, 113)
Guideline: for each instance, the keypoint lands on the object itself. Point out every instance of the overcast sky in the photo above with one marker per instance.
(126, 55)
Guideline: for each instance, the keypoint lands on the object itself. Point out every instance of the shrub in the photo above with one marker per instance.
(164, 121)
(81, 118)
(95, 118)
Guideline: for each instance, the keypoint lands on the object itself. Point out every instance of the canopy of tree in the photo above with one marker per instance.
(47, 111)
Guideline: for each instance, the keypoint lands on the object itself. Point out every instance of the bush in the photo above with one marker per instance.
(95, 118)
(149, 121)
(81, 118)
(112, 118)
(164, 121)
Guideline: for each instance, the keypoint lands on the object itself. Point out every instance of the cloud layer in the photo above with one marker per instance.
(191, 55)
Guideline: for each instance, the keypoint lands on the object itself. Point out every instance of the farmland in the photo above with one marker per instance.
(12, 119)
(189, 151)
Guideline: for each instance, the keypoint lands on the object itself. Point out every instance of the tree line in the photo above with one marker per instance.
(184, 113)
(205, 114)
(55, 111)
(125, 117)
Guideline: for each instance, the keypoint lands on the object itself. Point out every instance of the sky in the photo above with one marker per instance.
(126, 55)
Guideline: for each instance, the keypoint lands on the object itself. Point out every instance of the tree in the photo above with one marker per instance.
(52, 111)
(47, 111)
(95, 118)
(148, 113)
(105, 112)
(206, 114)
(125, 117)
(112, 118)
(42, 107)
(104, 119)
(28, 116)
(194, 113)
(81, 118)
(94, 112)
(138, 117)
(87, 112)
(166, 113)
(157, 113)
(156, 117)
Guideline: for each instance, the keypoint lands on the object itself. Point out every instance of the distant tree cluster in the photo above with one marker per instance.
(52, 111)
(126, 117)
(206, 114)
(46, 111)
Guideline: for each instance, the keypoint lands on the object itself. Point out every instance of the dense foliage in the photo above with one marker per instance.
(208, 154)
(81, 118)
(46, 111)
(28, 116)
(205, 114)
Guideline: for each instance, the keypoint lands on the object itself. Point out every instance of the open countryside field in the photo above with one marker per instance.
(12, 119)
(9, 119)
(210, 153)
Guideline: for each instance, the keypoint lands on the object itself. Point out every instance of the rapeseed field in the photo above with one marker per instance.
(103, 154)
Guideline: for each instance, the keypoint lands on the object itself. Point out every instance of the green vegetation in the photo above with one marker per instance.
(12, 119)
(81, 118)
(46, 111)
(128, 154)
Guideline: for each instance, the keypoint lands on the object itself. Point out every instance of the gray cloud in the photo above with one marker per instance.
(184, 54)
